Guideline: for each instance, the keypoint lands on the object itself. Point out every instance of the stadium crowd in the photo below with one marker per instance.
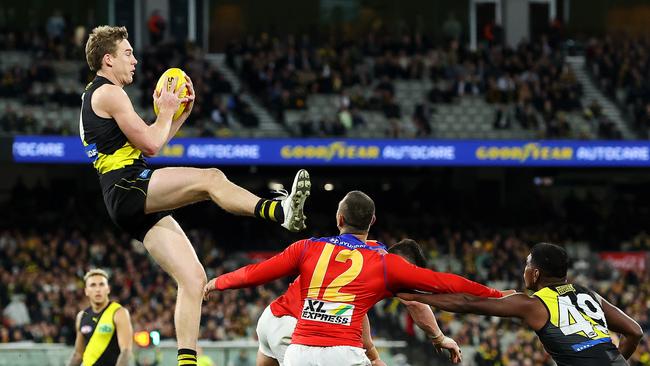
(37, 83)
(530, 84)
(620, 65)
(529, 81)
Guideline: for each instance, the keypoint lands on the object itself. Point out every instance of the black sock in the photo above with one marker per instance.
(186, 356)
(269, 210)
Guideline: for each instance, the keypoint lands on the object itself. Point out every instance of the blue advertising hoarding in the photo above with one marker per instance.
(309, 152)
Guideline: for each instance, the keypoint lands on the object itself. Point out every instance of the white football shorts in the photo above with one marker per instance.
(274, 334)
(299, 355)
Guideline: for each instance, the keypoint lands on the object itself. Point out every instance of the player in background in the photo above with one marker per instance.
(276, 324)
(104, 331)
(422, 314)
(572, 322)
(139, 199)
(341, 278)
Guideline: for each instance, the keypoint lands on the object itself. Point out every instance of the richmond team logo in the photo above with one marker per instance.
(327, 312)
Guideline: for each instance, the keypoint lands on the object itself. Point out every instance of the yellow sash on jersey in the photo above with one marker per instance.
(124, 156)
(104, 330)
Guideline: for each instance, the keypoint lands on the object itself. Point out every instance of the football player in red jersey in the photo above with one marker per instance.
(341, 278)
(278, 321)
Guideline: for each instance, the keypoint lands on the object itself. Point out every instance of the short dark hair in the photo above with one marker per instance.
(551, 259)
(410, 250)
(357, 209)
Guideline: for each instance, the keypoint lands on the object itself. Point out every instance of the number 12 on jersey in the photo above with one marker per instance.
(332, 292)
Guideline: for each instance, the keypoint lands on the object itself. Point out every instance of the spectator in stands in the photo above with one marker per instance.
(607, 129)
(501, 117)
(527, 116)
(331, 127)
(594, 110)
(156, 25)
(218, 113)
(394, 129)
(345, 118)
(420, 119)
(16, 312)
(10, 121)
(452, 28)
(55, 26)
(642, 120)
(248, 118)
(306, 127)
(357, 119)
(50, 128)
(488, 355)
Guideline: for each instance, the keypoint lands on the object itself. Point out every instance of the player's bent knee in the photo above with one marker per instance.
(193, 283)
(215, 176)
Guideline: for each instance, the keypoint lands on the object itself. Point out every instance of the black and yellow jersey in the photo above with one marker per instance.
(576, 332)
(103, 140)
(98, 330)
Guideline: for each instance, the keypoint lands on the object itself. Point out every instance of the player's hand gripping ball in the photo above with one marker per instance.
(165, 81)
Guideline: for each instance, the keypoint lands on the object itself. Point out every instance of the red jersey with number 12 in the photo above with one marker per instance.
(341, 278)
(290, 304)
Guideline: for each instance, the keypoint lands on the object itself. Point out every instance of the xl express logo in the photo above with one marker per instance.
(327, 312)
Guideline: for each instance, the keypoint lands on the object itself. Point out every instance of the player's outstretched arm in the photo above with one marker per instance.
(281, 265)
(124, 331)
(79, 344)
(404, 276)
(620, 322)
(517, 305)
(425, 319)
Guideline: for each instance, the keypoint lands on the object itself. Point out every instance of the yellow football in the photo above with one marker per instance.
(165, 81)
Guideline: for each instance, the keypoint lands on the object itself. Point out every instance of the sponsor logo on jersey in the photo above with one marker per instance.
(91, 151)
(327, 312)
(86, 329)
(352, 243)
(561, 290)
(145, 173)
(105, 328)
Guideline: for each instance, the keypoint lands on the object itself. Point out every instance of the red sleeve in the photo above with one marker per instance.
(402, 275)
(278, 266)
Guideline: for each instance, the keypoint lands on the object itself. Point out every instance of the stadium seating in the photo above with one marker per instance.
(466, 116)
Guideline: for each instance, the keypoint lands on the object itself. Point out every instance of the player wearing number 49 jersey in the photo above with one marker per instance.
(572, 322)
(341, 278)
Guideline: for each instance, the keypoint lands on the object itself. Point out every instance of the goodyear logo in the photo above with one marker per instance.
(327, 152)
(530, 151)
